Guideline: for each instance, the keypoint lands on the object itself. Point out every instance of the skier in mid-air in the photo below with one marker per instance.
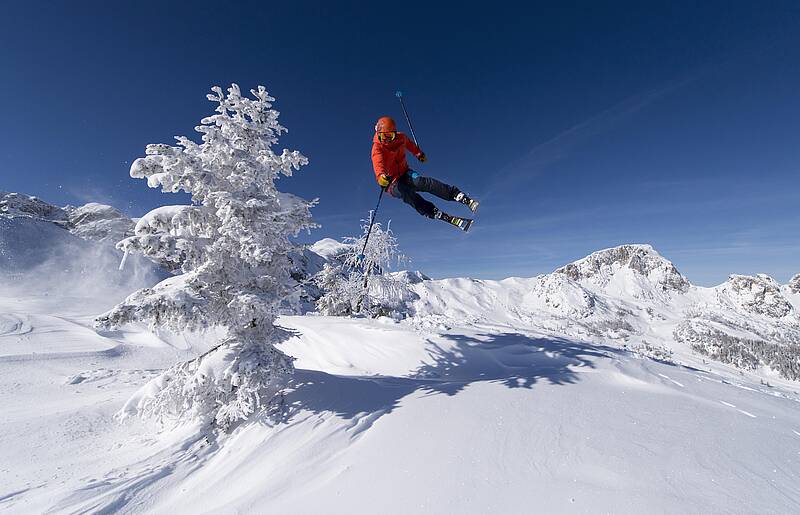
(395, 176)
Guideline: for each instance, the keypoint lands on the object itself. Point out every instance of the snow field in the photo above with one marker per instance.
(385, 415)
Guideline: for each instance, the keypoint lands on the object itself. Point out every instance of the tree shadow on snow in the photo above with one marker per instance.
(511, 359)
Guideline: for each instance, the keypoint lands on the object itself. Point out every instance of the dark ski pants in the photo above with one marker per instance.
(408, 186)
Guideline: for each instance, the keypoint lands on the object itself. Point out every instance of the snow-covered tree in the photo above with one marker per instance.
(230, 248)
(353, 282)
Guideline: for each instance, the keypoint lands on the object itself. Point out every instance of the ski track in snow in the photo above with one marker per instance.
(13, 324)
(743, 412)
(670, 379)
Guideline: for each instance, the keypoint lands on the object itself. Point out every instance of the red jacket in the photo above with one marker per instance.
(390, 157)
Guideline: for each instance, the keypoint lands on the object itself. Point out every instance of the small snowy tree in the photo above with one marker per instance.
(231, 247)
(354, 283)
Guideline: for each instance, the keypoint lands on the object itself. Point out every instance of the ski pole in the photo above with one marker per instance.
(371, 221)
(369, 231)
(400, 96)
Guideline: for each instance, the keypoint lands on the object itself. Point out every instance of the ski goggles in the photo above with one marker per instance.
(383, 137)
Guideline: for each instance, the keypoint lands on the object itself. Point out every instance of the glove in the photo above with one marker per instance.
(384, 180)
(421, 157)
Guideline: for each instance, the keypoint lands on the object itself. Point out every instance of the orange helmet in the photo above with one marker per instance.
(385, 124)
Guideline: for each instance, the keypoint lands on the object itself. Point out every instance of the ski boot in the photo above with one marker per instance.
(472, 204)
(462, 223)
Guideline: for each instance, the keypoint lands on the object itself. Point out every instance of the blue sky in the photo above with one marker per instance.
(580, 126)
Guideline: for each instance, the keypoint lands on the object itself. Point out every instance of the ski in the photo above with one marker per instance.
(462, 223)
(471, 203)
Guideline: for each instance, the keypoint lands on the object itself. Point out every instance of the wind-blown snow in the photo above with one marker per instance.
(99, 222)
(510, 396)
(66, 252)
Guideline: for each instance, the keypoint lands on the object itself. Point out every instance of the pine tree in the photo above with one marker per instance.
(230, 249)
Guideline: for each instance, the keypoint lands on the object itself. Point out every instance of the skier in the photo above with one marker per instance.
(395, 176)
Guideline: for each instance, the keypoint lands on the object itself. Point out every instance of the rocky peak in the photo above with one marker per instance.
(759, 294)
(19, 204)
(642, 259)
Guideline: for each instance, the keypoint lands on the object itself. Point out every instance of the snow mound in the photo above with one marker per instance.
(66, 338)
(99, 222)
(760, 295)
(636, 262)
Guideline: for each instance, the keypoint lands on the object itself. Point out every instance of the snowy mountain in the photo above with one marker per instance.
(749, 323)
(521, 395)
(627, 296)
(626, 266)
(21, 205)
(54, 248)
(92, 221)
(759, 295)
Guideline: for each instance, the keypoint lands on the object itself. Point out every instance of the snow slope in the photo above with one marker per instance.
(520, 395)
(384, 417)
